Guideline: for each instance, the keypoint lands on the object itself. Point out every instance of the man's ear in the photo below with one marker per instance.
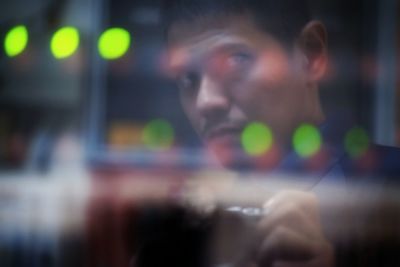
(313, 43)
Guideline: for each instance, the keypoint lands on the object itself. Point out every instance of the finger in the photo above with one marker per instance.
(290, 216)
(305, 201)
(285, 244)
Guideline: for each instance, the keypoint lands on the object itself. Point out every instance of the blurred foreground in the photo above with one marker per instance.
(142, 218)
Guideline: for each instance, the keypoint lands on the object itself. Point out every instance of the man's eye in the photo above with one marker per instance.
(187, 81)
(240, 59)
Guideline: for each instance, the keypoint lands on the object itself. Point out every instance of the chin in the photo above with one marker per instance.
(240, 165)
(230, 155)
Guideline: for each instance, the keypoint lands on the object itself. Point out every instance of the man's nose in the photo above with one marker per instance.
(212, 98)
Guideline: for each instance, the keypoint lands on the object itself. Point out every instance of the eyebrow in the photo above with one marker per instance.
(197, 58)
(231, 47)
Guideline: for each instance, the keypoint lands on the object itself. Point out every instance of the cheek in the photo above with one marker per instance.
(270, 72)
(270, 93)
(268, 85)
(272, 69)
(266, 104)
(189, 107)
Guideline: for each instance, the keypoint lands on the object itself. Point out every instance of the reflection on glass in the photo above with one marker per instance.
(16, 41)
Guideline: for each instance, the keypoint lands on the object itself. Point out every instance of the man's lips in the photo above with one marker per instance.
(223, 131)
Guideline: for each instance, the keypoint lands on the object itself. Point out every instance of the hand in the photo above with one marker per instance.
(290, 234)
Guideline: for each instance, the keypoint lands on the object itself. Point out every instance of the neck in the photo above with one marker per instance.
(315, 114)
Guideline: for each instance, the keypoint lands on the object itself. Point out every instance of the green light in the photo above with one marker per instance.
(64, 42)
(16, 41)
(356, 142)
(256, 139)
(158, 135)
(114, 43)
(306, 140)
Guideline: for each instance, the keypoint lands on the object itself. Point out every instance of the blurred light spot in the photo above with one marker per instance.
(234, 209)
(306, 140)
(64, 42)
(113, 43)
(252, 211)
(356, 142)
(256, 139)
(158, 134)
(16, 41)
(124, 134)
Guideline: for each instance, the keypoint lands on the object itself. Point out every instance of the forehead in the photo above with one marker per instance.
(193, 42)
(210, 27)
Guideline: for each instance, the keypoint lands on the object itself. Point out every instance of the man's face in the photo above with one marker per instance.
(231, 73)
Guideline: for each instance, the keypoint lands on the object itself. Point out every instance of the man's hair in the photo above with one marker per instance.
(284, 19)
